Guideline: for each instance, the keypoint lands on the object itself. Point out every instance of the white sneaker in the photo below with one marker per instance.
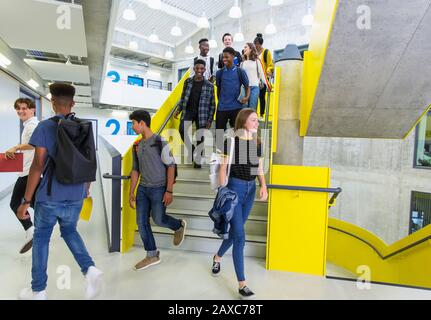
(93, 280)
(28, 243)
(28, 294)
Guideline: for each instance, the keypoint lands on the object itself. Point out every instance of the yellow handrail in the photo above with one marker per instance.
(405, 262)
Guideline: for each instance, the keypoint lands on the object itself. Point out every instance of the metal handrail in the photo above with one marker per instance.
(168, 118)
(335, 191)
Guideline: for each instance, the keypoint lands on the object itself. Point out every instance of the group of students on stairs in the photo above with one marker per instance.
(58, 196)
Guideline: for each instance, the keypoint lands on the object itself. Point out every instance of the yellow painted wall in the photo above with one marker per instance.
(314, 58)
(411, 268)
(297, 221)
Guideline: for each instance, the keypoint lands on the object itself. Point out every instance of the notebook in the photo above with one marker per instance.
(14, 165)
(86, 210)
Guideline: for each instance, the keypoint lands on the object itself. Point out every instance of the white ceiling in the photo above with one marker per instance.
(53, 71)
(186, 12)
(32, 24)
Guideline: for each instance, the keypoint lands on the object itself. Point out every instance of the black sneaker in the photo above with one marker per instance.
(215, 271)
(196, 165)
(245, 293)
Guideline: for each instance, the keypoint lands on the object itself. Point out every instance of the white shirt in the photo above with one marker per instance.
(207, 74)
(29, 127)
(251, 68)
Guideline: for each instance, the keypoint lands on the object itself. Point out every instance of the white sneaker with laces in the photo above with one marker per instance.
(93, 280)
(28, 294)
(28, 243)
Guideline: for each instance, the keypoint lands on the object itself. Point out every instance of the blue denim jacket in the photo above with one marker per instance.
(222, 211)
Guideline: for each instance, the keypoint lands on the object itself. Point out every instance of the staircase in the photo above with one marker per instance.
(193, 199)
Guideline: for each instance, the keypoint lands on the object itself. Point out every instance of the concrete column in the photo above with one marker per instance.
(289, 144)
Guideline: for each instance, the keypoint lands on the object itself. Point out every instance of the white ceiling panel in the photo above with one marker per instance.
(163, 21)
(60, 71)
(32, 24)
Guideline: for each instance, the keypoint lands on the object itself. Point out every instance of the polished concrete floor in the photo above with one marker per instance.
(180, 275)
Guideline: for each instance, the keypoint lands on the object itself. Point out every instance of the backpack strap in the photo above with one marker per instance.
(231, 157)
(265, 56)
(212, 65)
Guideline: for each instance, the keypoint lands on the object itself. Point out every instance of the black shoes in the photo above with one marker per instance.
(196, 166)
(215, 271)
(245, 293)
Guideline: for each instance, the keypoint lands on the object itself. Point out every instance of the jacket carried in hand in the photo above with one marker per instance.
(222, 211)
(206, 103)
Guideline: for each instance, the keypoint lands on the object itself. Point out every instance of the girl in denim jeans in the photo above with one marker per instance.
(246, 165)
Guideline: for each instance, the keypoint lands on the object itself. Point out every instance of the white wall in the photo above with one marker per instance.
(103, 116)
(10, 129)
(121, 94)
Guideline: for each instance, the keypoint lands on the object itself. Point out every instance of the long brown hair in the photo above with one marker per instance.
(241, 120)
(253, 52)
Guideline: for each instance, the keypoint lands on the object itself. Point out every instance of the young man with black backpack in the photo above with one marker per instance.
(155, 165)
(65, 155)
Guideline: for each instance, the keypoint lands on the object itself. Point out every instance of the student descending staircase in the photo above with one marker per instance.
(193, 199)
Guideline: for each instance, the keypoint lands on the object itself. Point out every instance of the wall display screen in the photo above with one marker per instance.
(154, 84)
(130, 131)
(135, 81)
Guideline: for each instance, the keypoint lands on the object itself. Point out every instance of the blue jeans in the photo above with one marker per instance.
(151, 200)
(246, 192)
(46, 215)
(254, 98)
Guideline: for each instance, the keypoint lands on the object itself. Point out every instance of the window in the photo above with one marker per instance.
(423, 143)
(182, 72)
(154, 84)
(135, 81)
(130, 131)
(420, 215)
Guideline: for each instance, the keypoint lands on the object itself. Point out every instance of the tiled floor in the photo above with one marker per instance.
(181, 275)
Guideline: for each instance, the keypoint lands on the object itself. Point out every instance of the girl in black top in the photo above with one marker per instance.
(247, 164)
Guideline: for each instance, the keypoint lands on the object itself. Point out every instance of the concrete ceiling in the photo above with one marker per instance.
(375, 83)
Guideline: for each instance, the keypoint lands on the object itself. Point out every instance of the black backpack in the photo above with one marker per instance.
(75, 156)
(159, 145)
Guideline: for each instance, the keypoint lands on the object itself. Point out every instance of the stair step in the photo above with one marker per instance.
(204, 241)
(200, 202)
(204, 223)
(197, 213)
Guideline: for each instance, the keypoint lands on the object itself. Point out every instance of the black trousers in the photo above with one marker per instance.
(185, 124)
(262, 100)
(17, 195)
(223, 117)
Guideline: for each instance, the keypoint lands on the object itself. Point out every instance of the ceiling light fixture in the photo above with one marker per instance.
(155, 4)
(213, 43)
(235, 12)
(176, 30)
(270, 28)
(189, 49)
(308, 19)
(169, 54)
(4, 62)
(33, 84)
(133, 45)
(153, 37)
(203, 22)
(274, 3)
(129, 14)
(239, 36)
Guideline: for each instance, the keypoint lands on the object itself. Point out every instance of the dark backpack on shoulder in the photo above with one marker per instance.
(75, 156)
(159, 145)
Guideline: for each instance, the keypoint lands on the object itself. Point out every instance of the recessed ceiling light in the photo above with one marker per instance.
(33, 84)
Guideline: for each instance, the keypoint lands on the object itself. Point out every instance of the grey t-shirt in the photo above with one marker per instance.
(151, 164)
